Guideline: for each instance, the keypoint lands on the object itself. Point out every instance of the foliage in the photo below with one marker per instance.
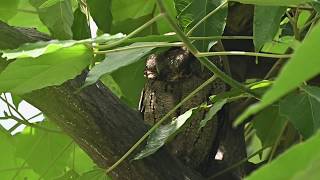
(129, 31)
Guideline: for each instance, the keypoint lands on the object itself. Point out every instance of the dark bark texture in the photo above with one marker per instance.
(106, 128)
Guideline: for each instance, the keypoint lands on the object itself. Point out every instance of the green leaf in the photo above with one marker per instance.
(274, 2)
(302, 66)
(8, 9)
(49, 3)
(266, 27)
(269, 125)
(124, 9)
(117, 60)
(48, 153)
(128, 25)
(28, 19)
(303, 110)
(293, 163)
(164, 134)
(192, 11)
(58, 18)
(28, 74)
(80, 27)
(216, 107)
(132, 85)
(100, 10)
(316, 6)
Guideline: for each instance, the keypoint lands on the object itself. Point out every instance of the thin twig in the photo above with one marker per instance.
(242, 53)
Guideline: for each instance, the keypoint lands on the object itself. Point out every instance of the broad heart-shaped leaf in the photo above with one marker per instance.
(28, 74)
(58, 17)
(266, 24)
(9, 160)
(8, 9)
(192, 11)
(165, 133)
(117, 60)
(269, 124)
(80, 27)
(214, 109)
(293, 163)
(46, 153)
(274, 2)
(100, 11)
(303, 110)
(304, 65)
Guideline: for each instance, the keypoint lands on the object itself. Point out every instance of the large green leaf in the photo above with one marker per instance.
(165, 133)
(124, 9)
(274, 2)
(25, 18)
(100, 10)
(266, 27)
(80, 27)
(303, 110)
(294, 163)
(47, 155)
(269, 125)
(117, 60)
(8, 9)
(58, 17)
(28, 74)
(96, 174)
(192, 11)
(302, 66)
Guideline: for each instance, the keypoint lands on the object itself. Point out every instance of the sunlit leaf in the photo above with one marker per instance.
(8, 9)
(28, 74)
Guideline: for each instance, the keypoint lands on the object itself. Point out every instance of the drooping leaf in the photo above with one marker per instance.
(274, 2)
(216, 107)
(302, 66)
(80, 27)
(100, 10)
(60, 23)
(117, 60)
(293, 163)
(28, 74)
(269, 125)
(303, 110)
(164, 134)
(191, 12)
(266, 27)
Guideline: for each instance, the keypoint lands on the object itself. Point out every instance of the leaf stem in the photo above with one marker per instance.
(206, 17)
(203, 60)
(160, 44)
(165, 117)
(242, 53)
(133, 33)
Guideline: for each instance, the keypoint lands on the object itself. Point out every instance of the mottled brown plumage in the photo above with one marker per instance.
(170, 78)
